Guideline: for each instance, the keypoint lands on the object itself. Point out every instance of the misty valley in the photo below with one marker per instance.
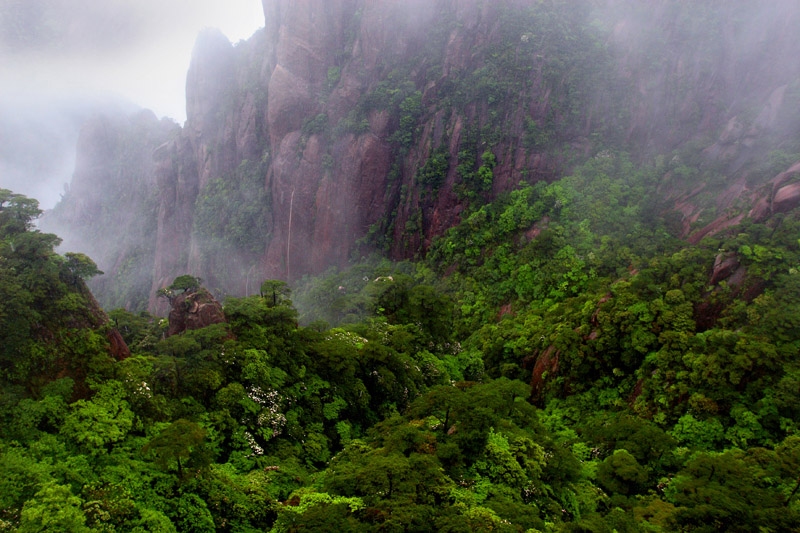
(432, 265)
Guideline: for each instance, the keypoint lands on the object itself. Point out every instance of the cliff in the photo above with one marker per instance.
(375, 118)
(110, 209)
(346, 125)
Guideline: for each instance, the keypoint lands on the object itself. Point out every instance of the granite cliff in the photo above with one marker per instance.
(346, 125)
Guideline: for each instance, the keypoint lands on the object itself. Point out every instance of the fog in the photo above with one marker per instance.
(66, 59)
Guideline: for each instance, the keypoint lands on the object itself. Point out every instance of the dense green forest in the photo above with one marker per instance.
(591, 377)
(598, 346)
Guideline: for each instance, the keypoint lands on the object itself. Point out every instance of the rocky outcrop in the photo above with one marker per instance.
(109, 212)
(546, 364)
(338, 108)
(118, 348)
(312, 96)
(787, 198)
(302, 94)
(724, 266)
(194, 309)
(177, 192)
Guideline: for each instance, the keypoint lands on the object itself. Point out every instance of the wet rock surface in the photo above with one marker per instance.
(194, 310)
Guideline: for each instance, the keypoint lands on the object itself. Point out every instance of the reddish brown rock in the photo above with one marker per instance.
(176, 173)
(118, 347)
(724, 266)
(787, 198)
(504, 310)
(723, 222)
(760, 210)
(637, 391)
(706, 314)
(537, 228)
(98, 318)
(108, 213)
(777, 197)
(194, 310)
(547, 361)
(323, 58)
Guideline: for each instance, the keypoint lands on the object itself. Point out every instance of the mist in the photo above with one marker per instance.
(348, 103)
(65, 60)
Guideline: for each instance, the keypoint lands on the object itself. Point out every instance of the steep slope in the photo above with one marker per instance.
(350, 122)
(110, 211)
(51, 327)
(360, 97)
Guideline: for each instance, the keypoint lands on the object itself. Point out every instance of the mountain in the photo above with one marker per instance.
(51, 327)
(566, 298)
(349, 126)
(109, 211)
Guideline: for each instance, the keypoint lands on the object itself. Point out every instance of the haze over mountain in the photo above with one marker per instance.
(421, 265)
(64, 60)
(375, 119)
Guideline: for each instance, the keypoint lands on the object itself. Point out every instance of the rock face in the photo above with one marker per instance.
(118, 348)
(545, 363)
(358, 117)
(724, 266)
(194, 310)
(326, 60)
(777, 196)
(109, 212)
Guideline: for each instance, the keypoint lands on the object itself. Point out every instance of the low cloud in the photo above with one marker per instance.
(64, 59)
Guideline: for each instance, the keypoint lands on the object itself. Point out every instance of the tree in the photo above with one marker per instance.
(186, 283)
(81, 265)
(101, 421)
(178, 443)
(275, 292)
(17, 212)
(54, 508)
(621, 473)
(788, 453)
(193, 514)
(21, 476)
(730, 491)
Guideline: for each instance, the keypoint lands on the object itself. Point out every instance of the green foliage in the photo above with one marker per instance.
(317, 510)
(81, 265)
(433, 173)
(410, 110)
(101, 421)
(620, 473)
(717, 490)
(601, 315)
(186, 283)
(17, 212)
(558, 361)
(47, 326)
(275, 292)
(315, 125)
(232, 212)
(334, 74)
(179, 444)
(354, 122)
(53, 508)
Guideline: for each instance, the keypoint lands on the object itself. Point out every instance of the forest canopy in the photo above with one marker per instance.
(473, 266)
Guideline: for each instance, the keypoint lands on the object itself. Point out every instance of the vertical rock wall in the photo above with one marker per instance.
(357, 115)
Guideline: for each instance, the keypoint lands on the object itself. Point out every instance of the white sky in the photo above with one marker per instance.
(60, 58)
(137, 49)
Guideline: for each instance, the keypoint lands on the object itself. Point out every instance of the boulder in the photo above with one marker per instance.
(194, 310)
(724, 266)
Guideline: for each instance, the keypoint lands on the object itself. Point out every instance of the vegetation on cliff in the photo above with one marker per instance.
(559, 362)
(596, 327)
